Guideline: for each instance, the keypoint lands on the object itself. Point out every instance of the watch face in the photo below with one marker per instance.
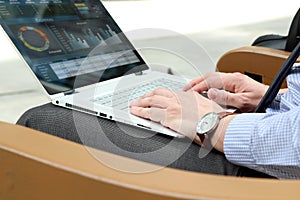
(207, 123)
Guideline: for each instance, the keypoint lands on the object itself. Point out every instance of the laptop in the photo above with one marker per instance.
(82, 58)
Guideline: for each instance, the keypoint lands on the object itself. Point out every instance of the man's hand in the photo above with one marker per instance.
(230, 89)
(179, 111)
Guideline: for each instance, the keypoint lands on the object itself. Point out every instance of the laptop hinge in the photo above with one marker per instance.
(139, 73)
(69, 92)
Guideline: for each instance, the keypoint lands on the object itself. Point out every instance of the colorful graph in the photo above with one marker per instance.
(90, 37)
(33, 38)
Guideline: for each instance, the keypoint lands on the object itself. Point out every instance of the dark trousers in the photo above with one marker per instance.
(130, 141)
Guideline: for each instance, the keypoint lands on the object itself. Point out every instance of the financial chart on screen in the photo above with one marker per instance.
(56, 37)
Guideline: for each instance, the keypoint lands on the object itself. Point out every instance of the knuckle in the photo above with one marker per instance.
(210, 74)
(139, 110)
(173, 111)
(149, 100)
(239, 75)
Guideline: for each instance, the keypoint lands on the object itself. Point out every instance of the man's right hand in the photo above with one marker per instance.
(230, 89)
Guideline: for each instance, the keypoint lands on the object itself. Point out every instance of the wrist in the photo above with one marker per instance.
(216, 138)
(283, 90)
(210, 128)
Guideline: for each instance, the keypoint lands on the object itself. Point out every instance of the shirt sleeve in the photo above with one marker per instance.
(266, 142)
(269, 142)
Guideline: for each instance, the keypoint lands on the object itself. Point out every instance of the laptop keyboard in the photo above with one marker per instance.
(121, 99)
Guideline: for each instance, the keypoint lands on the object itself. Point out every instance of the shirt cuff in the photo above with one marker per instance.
(238, 139)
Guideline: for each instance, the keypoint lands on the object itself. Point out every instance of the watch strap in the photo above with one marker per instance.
(224, 114)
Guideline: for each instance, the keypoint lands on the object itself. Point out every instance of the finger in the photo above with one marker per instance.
(227, 81)
(200, 87)
(140, 111)
(209, 80)
(159, 91)
(192, 83)
(151, 101)
(223, 97)
(154, 114)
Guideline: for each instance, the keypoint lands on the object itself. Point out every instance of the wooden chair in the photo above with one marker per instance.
(35, 165)
(260, 63)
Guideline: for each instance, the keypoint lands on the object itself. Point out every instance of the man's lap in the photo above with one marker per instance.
(129, 141)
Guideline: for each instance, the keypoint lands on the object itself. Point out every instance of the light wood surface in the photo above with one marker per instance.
(36, 165)
(261, 61)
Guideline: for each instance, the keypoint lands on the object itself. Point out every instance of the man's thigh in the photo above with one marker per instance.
(129, 141)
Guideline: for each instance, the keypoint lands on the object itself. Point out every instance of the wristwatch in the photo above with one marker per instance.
(209, 122)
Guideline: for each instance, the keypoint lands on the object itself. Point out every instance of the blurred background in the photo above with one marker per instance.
(215, 26)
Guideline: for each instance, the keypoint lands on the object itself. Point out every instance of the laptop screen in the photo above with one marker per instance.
(69, 43)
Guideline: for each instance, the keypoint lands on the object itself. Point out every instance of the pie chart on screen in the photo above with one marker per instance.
(33, 38)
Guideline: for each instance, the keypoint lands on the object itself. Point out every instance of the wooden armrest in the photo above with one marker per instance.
(253, 60)
(36, 165)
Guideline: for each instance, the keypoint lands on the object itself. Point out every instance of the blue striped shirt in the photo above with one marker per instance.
(269, 142)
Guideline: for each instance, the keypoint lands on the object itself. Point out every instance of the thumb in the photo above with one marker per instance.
(222, 97)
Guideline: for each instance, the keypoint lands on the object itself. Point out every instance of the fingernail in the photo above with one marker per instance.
(186, 87)
(133, 107)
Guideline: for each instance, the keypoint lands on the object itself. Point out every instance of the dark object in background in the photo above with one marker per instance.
(285, 43)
